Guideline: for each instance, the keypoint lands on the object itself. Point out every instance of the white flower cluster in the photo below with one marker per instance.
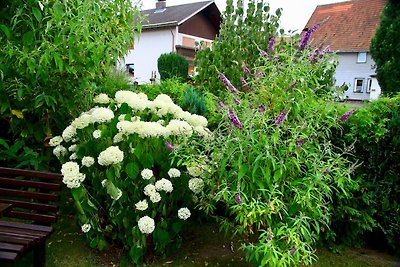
(112, 155)
(196, 185)
(118, 195)
(147, 174)
(101, 99)
(143, 128)
(59, 151)
(71, 175)
(86, 227)
(173, 173)
(151, 192)
(184, 213)
(87, 161)
(180, 128)
(101, 115)
(142, 205)
(164, 185)
(82, 121)
(135, 101)
(55, 141)
(96, 134)
(196, 170)
(146, 225)
(69, 133)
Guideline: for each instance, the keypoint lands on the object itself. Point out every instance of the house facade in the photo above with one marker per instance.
(171, 29)
(348, 28)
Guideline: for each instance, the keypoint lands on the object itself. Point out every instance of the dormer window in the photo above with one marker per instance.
(362, 57)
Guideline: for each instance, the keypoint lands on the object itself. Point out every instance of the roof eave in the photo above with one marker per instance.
(160, 25)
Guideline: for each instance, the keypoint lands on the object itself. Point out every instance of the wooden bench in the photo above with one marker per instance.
(28, 200)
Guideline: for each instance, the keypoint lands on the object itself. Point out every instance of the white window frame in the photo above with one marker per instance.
(369, 86)
(362, 57)
(362, 86)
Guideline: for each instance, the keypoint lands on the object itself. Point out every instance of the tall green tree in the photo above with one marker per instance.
(385, 48)
(53, 55)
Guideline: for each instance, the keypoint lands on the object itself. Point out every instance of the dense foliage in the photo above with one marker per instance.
(51, 64)
(116, 163)
(385, 49)
(173, 65)
(373, 133)
(272, 165)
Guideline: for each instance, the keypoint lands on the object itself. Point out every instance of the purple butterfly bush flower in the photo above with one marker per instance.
(237, 101)
(306, 38)
(263, 53)
(243, 80)
(169, 146)
(261, 108)
(271, 43)
(345, 117)
(221, 104)
(293, 85)
(259, 74)
(227, 83)
(292, 251)
(300, 141)
(235, 120)
(238, 199)
(281, 117)
(246, 69)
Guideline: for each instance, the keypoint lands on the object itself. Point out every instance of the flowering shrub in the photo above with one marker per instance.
(116, 163)
(272, 162)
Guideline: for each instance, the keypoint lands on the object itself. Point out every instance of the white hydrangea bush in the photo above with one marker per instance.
(117, 162)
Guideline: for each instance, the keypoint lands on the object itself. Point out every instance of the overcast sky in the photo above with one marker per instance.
(295, 12)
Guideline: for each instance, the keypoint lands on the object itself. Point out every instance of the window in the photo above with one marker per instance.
(130, 68)
(369, 85)
(359, 85)
(362, 57)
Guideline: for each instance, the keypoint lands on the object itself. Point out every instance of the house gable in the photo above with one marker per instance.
(347, 26)
(204, 24)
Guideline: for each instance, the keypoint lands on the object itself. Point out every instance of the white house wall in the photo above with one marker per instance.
(348, 70)
(147, 50)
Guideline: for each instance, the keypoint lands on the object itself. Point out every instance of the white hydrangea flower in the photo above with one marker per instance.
(101, 99)
(135, 101)
(202, 131)
(161, 122)
(118, 138)
(104, 182)
(164, 185)
(147, 174)
(155, 198)
(73, 148)
(96, 134)
(102, 114)
(71, 175)
(69, 133)
(55, 141)
(179, 128)
(59, 151)
(86, 227)
(142, 205)
(143, 128)
(173, 173)
(149, 190)
(87, 161)
(121, 117)
(184, 213)
(73, 156)
(146, 225)
(195, 171)
(112, 155)
(196, 185)
(82, 121)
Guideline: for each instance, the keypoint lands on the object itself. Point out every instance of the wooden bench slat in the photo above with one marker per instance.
(15, 240)
(22, 232)
(32, 216)
(25, 194)
(30, 205)
(29, 184)
(27, 226)
(9, 256)
(11, 247)
(29, 173)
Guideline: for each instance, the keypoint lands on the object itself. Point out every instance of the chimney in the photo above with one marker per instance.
(161, 4)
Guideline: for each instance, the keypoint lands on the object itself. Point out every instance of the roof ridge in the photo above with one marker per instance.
(182, 5)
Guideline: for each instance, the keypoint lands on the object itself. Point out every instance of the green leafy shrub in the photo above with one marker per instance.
(172, 87)
(193, 101)
(116, 161)
(374, 136)
(50, 64)
(272, 166)
(172, 65)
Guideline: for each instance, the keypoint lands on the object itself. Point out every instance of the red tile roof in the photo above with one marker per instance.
(346, 26)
